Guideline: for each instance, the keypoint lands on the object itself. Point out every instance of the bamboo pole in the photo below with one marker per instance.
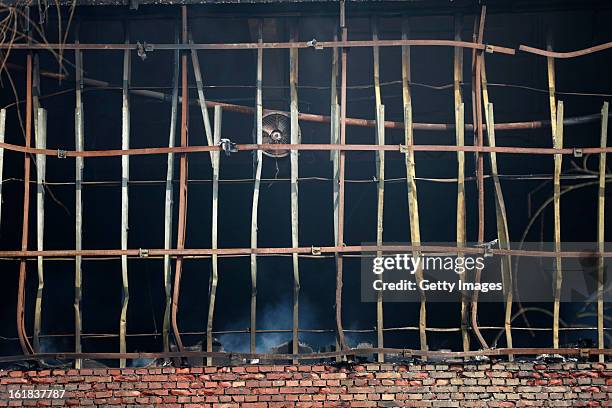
(258, 158)
(341, 165)
(125, 177)
(380, 171)
(39, 204)
(295, 138)
(21, 330)
(78, 217)
(478, 141)
(41, 141)
(35, 91)
(215, 213)
(183, 170)
(202, 100)
(501, 220)
(460, 141)
(380, 164)
(601, 230)
(169, 200)
(413, 203)
(558, 144)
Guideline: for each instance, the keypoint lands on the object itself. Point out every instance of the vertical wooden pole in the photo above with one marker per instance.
(554, 128)
(295, 139)
(40, 209)
(335, 154)
(341, 165)
(501, 219)
(125, 176)
(78, 216)
(413, 203)
(183, 168)
(601, 230)
(168, 202)
(41, 159)
(258, 157)
(202, 101)
(380, 170)
(215, 213)
(21, 331)
(558, 144)
(460, 141)
(334, 132)
(479, 141)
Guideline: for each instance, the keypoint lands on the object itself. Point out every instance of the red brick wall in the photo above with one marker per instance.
(372, 385)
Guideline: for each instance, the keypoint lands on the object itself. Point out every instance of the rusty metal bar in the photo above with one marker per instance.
(274, 45)
(345, 249)
(182, 215)
(309, 146)
(21, 330)
(571, 54)
(601, 229)
(341, 165)
(2, 132)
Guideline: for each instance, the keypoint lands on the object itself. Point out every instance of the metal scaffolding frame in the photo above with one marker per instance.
(337, 147)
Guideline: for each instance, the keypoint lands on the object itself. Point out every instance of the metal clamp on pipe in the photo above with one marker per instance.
(487, 247)
(61, 154)
(314, 44)
(142, 49)
(228, 146)
(143, 253)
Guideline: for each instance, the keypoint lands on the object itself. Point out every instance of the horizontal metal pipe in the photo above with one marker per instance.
(251, 46)
(311, 146)
(407, 353)
(143, 253)
(570, 54)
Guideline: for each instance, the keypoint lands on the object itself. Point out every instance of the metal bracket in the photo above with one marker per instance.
(585, 353)
(577, 152)
(487, 247)
(315, 250)
(488, 49)
(142, 49)
(404, 148)
(61, 154)
(143, 253)
(228, 146)
(314, 44)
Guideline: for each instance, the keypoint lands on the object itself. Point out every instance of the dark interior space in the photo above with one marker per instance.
(518, 88)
